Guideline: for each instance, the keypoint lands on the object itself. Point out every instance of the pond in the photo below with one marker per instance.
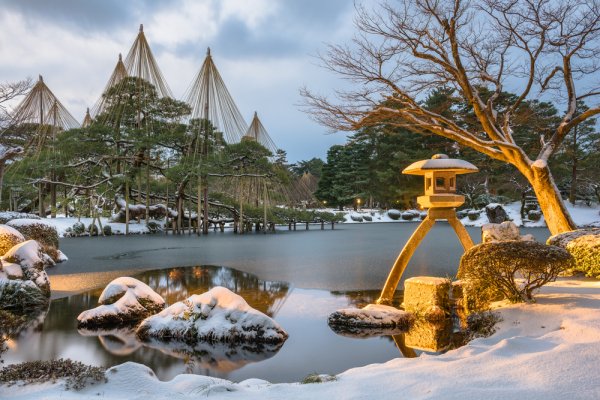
(326, 271)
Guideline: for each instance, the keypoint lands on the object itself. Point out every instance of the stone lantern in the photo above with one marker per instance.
(441, 200)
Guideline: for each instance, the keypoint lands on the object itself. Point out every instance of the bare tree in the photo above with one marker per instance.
(403, 50)
(8, 92)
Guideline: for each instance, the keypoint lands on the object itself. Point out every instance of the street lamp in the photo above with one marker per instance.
(358, 203)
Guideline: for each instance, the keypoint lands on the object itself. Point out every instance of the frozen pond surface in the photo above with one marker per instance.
(298, 278)
(351, 257)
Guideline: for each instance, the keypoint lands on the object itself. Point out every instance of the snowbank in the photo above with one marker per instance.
(218, 315)
(543, 351)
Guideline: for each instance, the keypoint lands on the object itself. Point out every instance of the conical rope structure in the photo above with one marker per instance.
(209, 98)
(41, 111)
(87, 120)
(140, 63)
(257, 132)
(119, 73)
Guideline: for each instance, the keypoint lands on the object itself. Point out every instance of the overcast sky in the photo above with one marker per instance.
(263, 48)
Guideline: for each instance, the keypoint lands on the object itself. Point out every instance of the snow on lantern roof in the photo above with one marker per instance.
(440, 162)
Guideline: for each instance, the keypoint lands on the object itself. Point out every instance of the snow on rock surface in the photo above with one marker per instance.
(507, 230)
(9, 237)
(218, 315)
(371, 316)
(124, 301)
(32, 260)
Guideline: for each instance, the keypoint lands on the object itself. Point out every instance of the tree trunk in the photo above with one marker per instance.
(555, 213)
(573, 189)
(1, 183)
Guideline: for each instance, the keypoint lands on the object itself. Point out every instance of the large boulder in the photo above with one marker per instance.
(29, 257)
(507, 230)
(9, 237)
(584, 246)
(42, 231)
(496, 213)
(24, 285)
(218, 315)
(124, 301)
(510, 269)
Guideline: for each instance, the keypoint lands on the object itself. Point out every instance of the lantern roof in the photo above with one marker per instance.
(440, 162)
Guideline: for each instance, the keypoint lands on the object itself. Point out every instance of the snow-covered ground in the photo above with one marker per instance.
(582, 215)
(548, 350)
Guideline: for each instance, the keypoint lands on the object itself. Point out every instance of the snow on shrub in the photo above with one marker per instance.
(534, 215)
(124, 301)
(367, 217)
(410, 215)
(9, 237)
(584, 246)
(107, 230)
(218, 315)
(45, 233)
(41, 231)
(32, 260)
(6, 216)
(78, 228)
(22, 296)
(356, 217)
(509, 269)
(394, 214)
(93, 229)
(473, 215)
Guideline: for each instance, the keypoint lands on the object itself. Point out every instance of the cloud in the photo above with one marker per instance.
(262, 48)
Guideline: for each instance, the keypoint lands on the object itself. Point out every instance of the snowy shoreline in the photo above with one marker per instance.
(583, 216)
(547, 350)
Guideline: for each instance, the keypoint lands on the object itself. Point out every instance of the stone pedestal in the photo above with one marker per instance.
(429, 336)
(427, 296)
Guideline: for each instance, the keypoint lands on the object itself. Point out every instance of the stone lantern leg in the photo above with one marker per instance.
(441, 199)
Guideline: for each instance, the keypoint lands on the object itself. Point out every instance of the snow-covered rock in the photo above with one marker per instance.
(218, 315)
(124, 301)
(496, 213)
(409, 215)
(507, 230)
(32, 260)
(9, 237)
(376, 316)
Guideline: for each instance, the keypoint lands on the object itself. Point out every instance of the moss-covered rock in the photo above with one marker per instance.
(9, 237)
(510, 269)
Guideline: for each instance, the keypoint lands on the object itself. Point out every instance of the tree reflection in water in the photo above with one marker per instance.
(52, 335)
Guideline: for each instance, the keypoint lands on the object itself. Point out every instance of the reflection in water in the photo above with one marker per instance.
(55, 335)
(432, 337)
(120, 342)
